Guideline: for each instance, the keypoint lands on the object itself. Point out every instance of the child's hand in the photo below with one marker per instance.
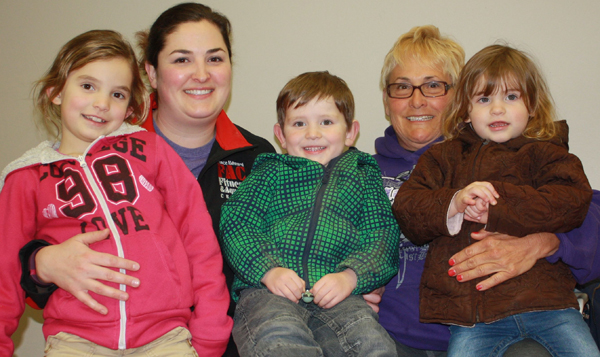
(333, 288)
(284, 282)
(477, 212)
(466, 197)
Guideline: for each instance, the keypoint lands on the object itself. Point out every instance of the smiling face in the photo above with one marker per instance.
(94, 101)
(193, 78)
(500, 116)
(416, 120)
(316, 131)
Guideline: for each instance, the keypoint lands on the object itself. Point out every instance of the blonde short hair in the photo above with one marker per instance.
(426, 45)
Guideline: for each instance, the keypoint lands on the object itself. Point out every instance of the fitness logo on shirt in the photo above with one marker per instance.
(231, 175)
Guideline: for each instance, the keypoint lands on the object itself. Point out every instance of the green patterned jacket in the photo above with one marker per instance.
(295, 213)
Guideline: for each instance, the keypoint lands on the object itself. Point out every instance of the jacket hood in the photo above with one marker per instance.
(47, 152)
(388, 146)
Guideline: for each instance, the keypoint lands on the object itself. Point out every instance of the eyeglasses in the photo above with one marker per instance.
(428, 89)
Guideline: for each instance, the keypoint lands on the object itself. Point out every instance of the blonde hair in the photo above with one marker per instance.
(501, 67)
(95, 45)
(426, 45)
(321, 85)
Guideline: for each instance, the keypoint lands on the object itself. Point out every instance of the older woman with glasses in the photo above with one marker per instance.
(416, 81)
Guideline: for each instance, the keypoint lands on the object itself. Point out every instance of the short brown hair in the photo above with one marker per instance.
(95, 45)
(321, 85)
(497, 66)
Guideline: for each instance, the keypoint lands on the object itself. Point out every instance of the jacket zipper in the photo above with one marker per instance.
(115, 233)
(484, 143)
(313, 224)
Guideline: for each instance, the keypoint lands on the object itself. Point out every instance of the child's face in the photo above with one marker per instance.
(500, 116)
(316, 131)
(93, 102)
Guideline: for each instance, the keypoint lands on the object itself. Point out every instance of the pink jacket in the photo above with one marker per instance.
(133, 183)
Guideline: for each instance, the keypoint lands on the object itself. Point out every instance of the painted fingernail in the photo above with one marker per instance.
(451, 272)
(459, 278)
(479, 287)
(451, 262)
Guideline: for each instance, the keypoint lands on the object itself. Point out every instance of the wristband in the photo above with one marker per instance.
(32, 271)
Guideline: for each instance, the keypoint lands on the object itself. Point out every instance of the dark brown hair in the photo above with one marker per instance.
(152, 42)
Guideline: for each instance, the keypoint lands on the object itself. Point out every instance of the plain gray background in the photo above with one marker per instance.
(275, 40)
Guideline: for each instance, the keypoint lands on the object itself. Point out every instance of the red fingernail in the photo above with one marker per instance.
(451, 262)
(451, 272)
(459, 278)
(479, 287)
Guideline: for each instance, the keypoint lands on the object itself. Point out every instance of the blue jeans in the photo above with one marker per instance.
(269, 325)
(561, 332)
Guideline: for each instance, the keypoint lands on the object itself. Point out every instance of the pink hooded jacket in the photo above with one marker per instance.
(133, 183)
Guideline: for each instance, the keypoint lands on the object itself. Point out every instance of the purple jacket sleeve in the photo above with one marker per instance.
(579, 248)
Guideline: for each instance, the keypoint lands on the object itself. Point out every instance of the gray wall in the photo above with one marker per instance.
(274, 40)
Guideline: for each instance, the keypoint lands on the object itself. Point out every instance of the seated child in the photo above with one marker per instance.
(504, 167)
(313, 223)
(104, 173)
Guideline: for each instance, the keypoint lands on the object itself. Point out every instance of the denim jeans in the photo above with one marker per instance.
(524, 348)
(561, 332)
(269, 325)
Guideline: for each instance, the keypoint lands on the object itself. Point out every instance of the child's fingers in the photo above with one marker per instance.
(471, 218)
(484, 193)
(480, 206)
(88, 300)
(290, 294)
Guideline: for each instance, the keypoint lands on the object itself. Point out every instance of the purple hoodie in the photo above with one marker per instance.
(399, 308)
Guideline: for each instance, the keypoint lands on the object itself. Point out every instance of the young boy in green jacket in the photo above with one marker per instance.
(313, 224)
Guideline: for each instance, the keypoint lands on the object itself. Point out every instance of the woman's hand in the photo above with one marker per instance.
(374, 298)
(502, 255)
(76, 268)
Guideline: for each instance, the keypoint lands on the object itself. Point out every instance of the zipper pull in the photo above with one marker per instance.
(307, 296)
(81, 160)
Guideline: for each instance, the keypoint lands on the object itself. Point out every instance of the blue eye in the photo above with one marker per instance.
(483, 100)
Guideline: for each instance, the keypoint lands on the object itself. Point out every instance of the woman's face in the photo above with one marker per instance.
(193, 78)
(417, 120)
